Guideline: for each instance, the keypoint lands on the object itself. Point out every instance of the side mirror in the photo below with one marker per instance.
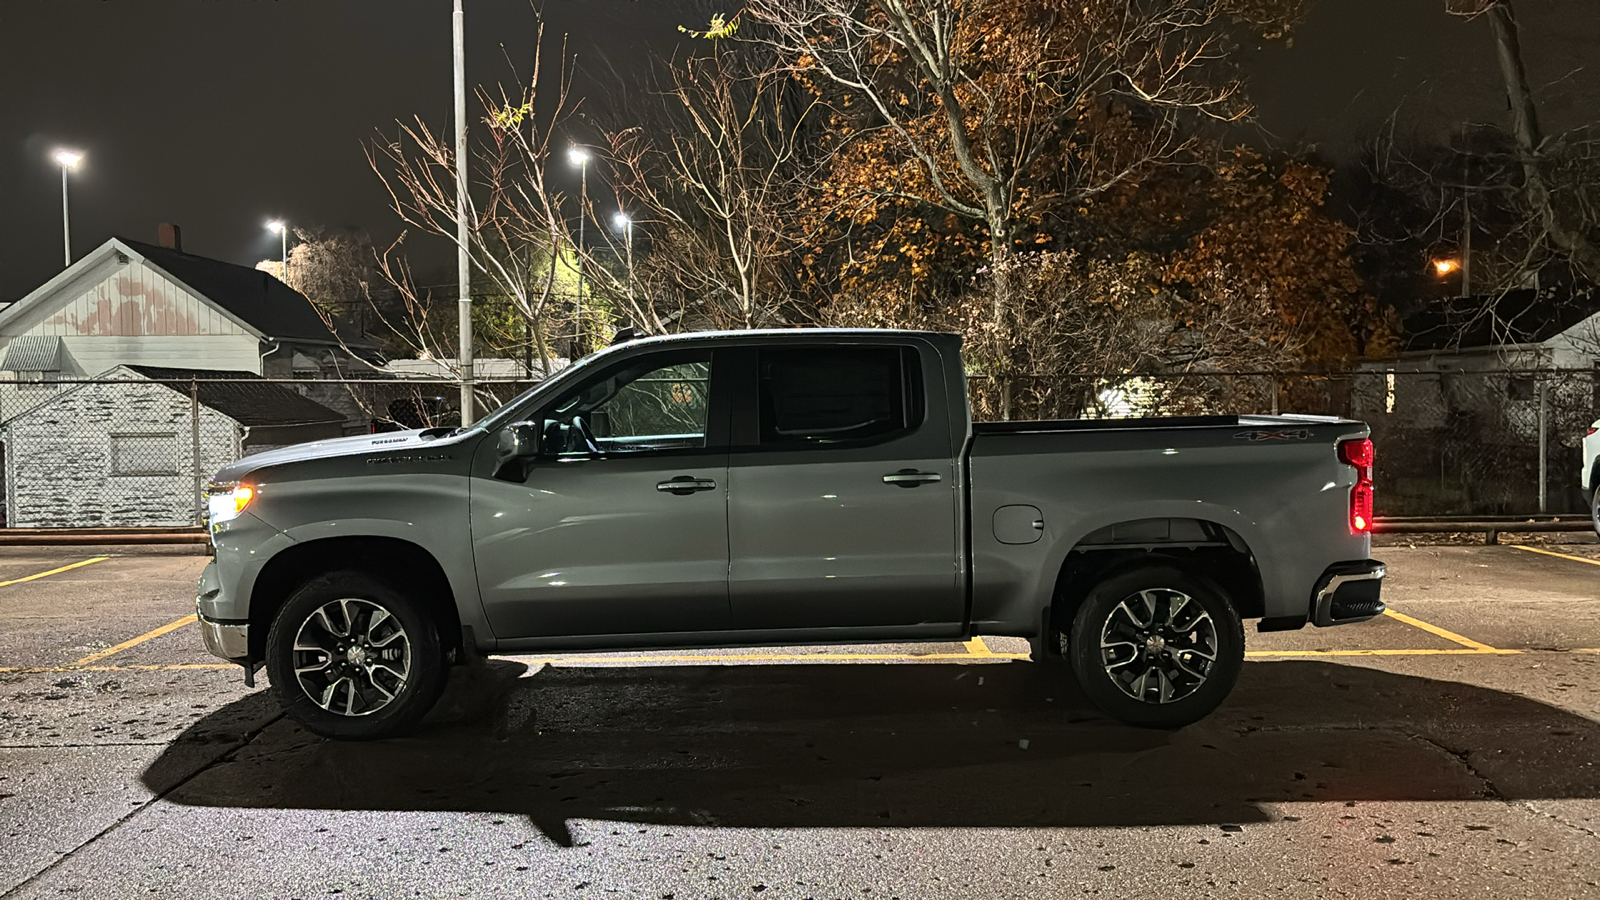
(516, 444)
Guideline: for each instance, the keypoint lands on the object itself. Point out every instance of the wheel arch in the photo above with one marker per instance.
(1201, 546)
(403, 565)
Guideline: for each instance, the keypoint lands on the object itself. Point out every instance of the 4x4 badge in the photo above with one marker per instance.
(1297, 434)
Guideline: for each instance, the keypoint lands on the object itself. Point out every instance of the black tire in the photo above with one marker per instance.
(359, 667)
(1178, 685)
(1594, 504)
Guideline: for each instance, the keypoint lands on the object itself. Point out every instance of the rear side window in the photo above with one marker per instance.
(837, 395)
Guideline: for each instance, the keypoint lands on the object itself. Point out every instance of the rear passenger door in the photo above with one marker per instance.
(843, 492)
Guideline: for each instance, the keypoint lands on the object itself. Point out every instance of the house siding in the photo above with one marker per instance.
(92, 356)
(58, 458)
(134, 300)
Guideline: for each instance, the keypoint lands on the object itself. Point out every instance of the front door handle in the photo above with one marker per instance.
(909, 478)
(684, 485)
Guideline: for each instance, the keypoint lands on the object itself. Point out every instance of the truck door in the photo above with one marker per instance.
(621, 527)
(843, 498)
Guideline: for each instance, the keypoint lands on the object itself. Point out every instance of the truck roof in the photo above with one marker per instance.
(804, 333)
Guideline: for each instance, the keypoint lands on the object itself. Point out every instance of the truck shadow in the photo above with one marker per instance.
(831, 745)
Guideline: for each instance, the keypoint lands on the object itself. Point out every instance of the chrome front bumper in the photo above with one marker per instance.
(228, 641)
(224, 637)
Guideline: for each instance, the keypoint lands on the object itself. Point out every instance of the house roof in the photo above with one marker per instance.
(33, 353)
(1516, 317)
(243, 397)
(251, 295)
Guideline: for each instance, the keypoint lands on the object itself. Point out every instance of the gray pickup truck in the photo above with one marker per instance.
(783, 487)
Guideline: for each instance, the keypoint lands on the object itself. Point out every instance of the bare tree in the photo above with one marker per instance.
(716, 175)
(520, 234)
(1566, 210)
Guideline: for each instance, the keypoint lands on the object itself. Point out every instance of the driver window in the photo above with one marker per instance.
(654, 404)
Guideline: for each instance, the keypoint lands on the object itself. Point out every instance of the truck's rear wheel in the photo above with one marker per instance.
(352, 658)
(1594, 505)
(1157, 647)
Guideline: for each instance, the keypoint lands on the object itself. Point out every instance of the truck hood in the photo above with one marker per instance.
(358, 445)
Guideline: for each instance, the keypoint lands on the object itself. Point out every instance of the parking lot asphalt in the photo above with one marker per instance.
(1449, 749)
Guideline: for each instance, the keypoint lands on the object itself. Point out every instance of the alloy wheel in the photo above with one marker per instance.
(352, 657)
(1158, 645)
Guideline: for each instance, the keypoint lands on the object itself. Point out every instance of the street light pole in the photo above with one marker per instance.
(624, 222)
(463, 258)
(580, 158)
(68, 160)
(281, 229)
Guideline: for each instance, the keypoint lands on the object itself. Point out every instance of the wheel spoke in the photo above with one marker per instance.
(1183, 664)
(321, 615)
(326, 701)
(373, 620)
(381, 667)
(387, 696)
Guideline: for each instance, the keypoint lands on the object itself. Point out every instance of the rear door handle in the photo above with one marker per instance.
(909, 478)
(684, 485)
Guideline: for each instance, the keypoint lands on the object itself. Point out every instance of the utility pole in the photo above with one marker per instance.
(1466, 216)
(463, 258)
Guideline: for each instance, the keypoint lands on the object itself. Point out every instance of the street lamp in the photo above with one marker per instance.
(623, 222)
(277, 227)
(68, 160)
(580, 158)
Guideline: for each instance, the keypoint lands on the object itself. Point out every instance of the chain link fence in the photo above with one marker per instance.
(1449, 443)
(137, 449)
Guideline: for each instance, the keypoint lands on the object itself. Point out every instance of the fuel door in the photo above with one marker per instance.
(1018, 524)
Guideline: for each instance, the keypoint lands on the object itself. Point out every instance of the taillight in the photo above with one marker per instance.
(1359, 454)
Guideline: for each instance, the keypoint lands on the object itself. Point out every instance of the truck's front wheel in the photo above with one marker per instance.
(1157, 646)
(352, 658)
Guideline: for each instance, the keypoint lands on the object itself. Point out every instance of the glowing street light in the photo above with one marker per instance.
(1444, 267)
(281, 229)
(68, 160)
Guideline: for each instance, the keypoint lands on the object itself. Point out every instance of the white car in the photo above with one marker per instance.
(1590, 475)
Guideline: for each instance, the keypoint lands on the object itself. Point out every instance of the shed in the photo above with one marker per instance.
(130, 450)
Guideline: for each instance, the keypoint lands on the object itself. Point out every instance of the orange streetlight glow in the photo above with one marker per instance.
(1445, 266)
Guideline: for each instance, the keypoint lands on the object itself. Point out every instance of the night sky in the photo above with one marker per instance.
(219, 115)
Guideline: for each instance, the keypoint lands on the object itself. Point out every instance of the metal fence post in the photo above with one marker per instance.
(1544, 456)
(194, 447)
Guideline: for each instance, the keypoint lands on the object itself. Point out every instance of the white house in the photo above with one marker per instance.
(131, 303)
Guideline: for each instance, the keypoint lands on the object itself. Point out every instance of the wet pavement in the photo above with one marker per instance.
(1451, 750)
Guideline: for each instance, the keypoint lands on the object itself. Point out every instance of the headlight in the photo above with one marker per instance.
(226, 501)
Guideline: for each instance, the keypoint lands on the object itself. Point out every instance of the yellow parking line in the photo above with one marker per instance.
(76, 565)
(1441, 632)
(114, 650)
(1592, 562)
(1269, 654)
(976, 647)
